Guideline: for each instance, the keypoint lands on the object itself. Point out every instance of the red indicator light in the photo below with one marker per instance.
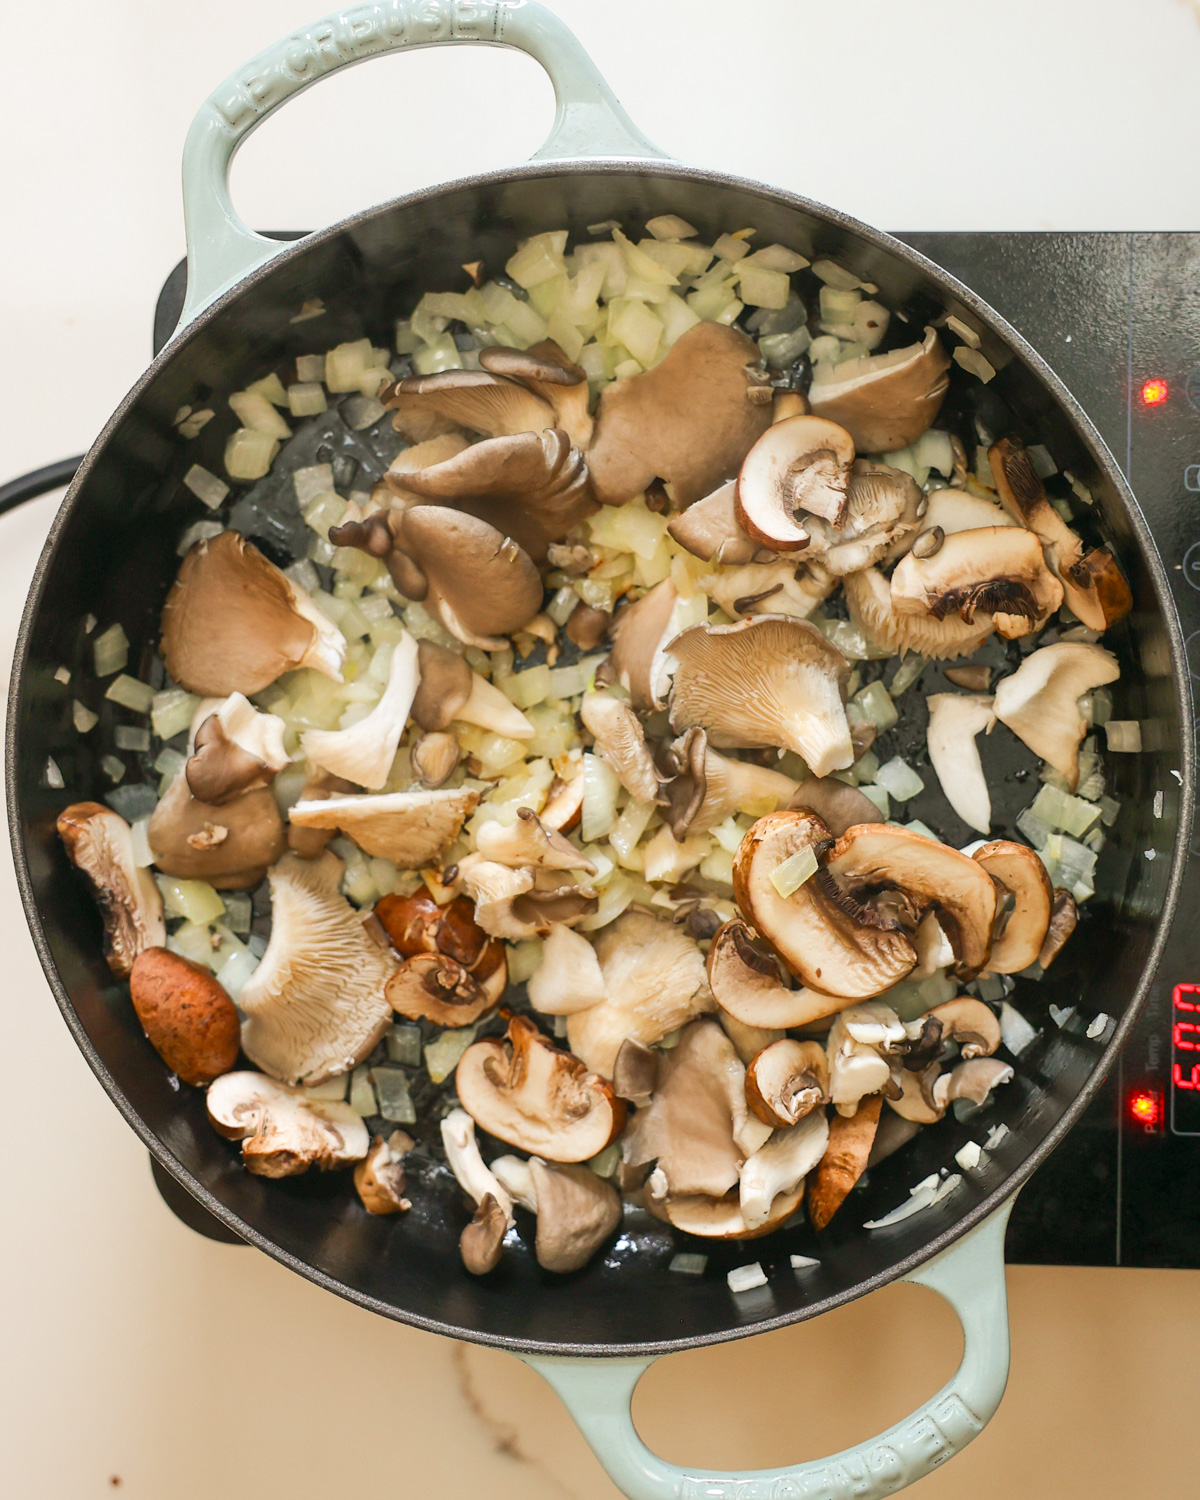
(1146, 1107)
(1154, 392)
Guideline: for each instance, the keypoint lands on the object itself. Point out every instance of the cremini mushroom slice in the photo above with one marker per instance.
(282, 1132)
(99, 842)
(860, 1047)
(532, 486)
(654, 983)
(364, 753)
(449, 690)
(689, 421)
(432, 987)
(316, 1004)
(1025, 923)
(968, 1022)
(780, 1167)
(934, 951)
(869, 857)
(850, 1140)
(797, 679)
(954, 721)
(705, 787)
(576, 1213)
(1039, 702)
(564, 801)
(475, 399)
(746, 982)
(710, 529)
(379, 1179)
(230, 846)
(869, 597)
(237, 749)
(721, 1218)
(545, 370)
(786, 1081)
(1092, 582)
(1064, 916)
(837, 805)
(527, 842)
(915, 1101)
(841, 949)
(481, 1243)
(434, 757)
(994, 570)
(409, 828)
(568, 978)
(621, 741)
(973, 1080)
(799, 466)
(519, 904)
(954, 510)
(775, 588)
(884, 401)
(470, 1171)
(417, 924)
(233, 622)
(881, 517)
(537, 1098)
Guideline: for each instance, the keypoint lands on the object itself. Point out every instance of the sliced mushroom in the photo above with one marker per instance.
(798, 466)
(448, 690)
(850, 1140)
(881, 517)
(746, 982)
(780, 1167)
(470, 1171)
(710, 529)
(545, 370)
(721, 1218)
(434, 757)
(798, 678)
(689, 421)
(1064, 916)
(364, 753)
(237, 749)
(621, 741)
(973, 1080)
(915, 1101)
(952, 510)
(564, 801)
(482, 1241)
(417, 924)
(576, 1213)
(859, 1048)
(379, 1179)
(532, 486)
(869, 598)
(432, 987)
(786, 1081)
(409, 828)
(654, 982)
(885, 401)
(475, 399)
(1040, 701)
(934, 950)
(995, 570)
(568, 978)
(973, 679)
(229, 846)
(837, 805)
(99, 842)
(1017, 869)
(706, 788)
(776, 588)
(527, 842)
(840, 948)
(509, 903)
(537, 1098)
(282, 1132)
(316, 1004)
(233, 623)
(954, 721)
(970, 1023)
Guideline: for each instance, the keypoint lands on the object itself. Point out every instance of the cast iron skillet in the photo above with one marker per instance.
(111, 554)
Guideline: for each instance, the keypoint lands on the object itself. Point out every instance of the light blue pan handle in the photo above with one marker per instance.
(588, 119)
(970, 1275)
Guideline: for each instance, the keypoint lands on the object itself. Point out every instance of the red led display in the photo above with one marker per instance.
(1146, 1108)
(1185, 1059)
(1154, 391)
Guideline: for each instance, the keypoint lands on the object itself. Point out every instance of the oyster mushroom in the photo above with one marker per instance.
(641, 634)
(954, 721)
(364, 753)
(316, 1004)
(1039, 702)
(635, 1072)
(884, 401)
(409, 828)
(850, 1140)
(237, 749)
(230, 846)
(710, 529)
(482, 1241)
(470, 1171)
(432, 987)
(994, 570)
(776, 588)
(379, 1179)
(99, 842)
(519, 904)
(705, 788)
(537, 1098)
(786, 1081)
(284, 1133)
(654, 982)
(780, 1167)
(448, 690)
(1023, 927)
(568, 978)
(515, 1175)
(799, 466)
(576, 1213)
(233, 623)
(621, 741)
(968, 1022)
(532, 486)
(952, 510)
(872, 609)
(837, 805)
(434, 757)
(546, 371)
(881, 517)
(527, 842)
(475, 399)
(747, 983)
(1064, 915)
(795, 678)
(689, 421)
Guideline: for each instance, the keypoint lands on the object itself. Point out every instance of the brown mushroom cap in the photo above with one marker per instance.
(432, 987)
(995, 570)
(1040, 701)
(850, 1140)
(1064, 916)
(786, 1081)
(690, 421)
(482, 1241)
(768, 681)
(434, 757)
(885, 401)
(379, 1180)
(475, 399)
(233, 623)
(710, 530)
(869, 598)
(576, 1213)
(1020, 871)
(970, 1023)
(536, 1097)
(236, 749)
(796, 466)
(189, 1019)
(230, 846)
(99, 842)
(544, 369)
(747, 983)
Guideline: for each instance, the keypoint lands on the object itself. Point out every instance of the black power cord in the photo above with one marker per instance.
(39, 482)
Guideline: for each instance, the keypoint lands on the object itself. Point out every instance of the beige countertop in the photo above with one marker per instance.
(132, 1349)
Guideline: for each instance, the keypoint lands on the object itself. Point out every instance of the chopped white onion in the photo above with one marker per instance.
(205, 486)
(1015, 1031)
(899, 779)
(746, 1278)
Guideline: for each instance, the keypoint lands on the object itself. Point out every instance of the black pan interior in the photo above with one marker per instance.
(112, 555)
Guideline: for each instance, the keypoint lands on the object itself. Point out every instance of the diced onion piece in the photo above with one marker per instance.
(600, 790)
(345, 363)
(1064, 813)
(433, 358)
(789, 876)
(899, 779)
(746, 1278)
(130, 737)
(834, 275)
(529, 688)
(974, 363)
(1015, 1031)
(875, 703)
(539, 259)
(916, 826)
(906, 674)
(670, 227)
(628, 829)
(718, 866)
(254, 411)
(362, 1093)
(776, 258)
(802, 1262)
(878, 795)
(442, 1055)
(932, 1190)
(202, 531)
(306, 398)
(131, 693)
(205, 486)
(1124, 736)
(110, 651)
(171, 712)
(630, 322)
(194, 899)
(83, 718)
(969, 1155)
(249, 454)
(53, 777)
(310, 368)
(570, 682)
(758, 286)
